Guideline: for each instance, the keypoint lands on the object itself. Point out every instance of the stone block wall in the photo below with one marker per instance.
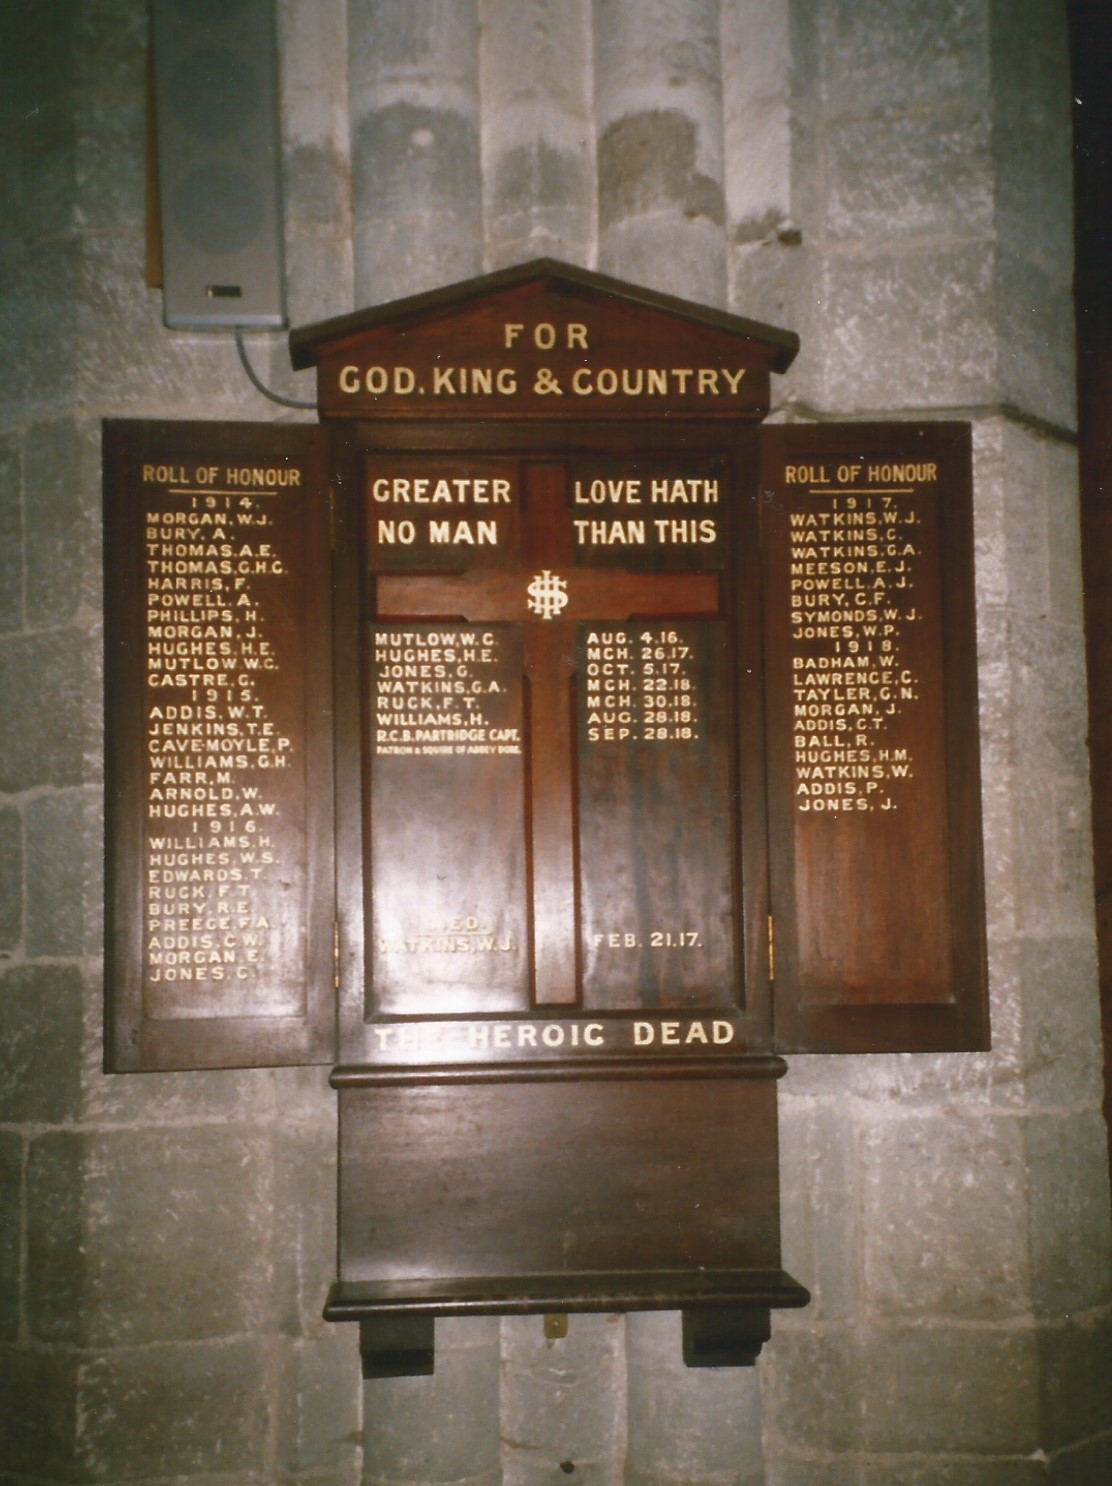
(890, 178)
(166, 1241)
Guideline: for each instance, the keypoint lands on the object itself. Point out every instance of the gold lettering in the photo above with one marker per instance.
(609, 533)
(850, 578)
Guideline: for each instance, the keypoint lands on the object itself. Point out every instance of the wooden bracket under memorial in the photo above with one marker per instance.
(725, 1324)
(397, 1346)
(727, 1336)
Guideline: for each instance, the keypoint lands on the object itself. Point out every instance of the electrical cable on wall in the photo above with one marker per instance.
(287, 402)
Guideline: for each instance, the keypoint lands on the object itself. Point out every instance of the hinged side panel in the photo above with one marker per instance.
(218, 746)
(874, 783)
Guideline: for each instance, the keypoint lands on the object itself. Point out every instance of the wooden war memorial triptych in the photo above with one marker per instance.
(550, 747)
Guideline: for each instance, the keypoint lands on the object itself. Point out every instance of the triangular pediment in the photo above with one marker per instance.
(542, 339)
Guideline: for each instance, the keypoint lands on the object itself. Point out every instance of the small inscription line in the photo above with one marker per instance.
(860, 490)
(255, 492)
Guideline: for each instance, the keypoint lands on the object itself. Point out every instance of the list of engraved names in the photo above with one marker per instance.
(445, 690)
(224, 666)
(855, 564)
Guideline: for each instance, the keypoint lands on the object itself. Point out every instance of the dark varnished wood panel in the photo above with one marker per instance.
(605, 1290)
(447, 792)
(475, 1179)
(656, 836)
(873, 780)
(1090, 42)
(543, 341)
(521, 851)
(218, 736)
(427, 517)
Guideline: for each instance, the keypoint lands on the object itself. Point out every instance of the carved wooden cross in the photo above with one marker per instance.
(530, 595)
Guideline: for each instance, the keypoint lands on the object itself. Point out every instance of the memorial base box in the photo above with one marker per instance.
(470, 1193)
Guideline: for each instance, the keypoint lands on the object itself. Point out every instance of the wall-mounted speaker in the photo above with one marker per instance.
(219, 162)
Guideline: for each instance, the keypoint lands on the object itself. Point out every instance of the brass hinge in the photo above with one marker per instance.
(335, 954)
(771, 947)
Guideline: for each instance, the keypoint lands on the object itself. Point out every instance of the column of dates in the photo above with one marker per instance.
(654, 769)
(640, 685)
(669, 700)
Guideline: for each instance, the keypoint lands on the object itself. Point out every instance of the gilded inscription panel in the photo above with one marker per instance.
(219, 762)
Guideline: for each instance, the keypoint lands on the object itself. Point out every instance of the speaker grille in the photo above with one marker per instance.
(213, 93)
(218, 210)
